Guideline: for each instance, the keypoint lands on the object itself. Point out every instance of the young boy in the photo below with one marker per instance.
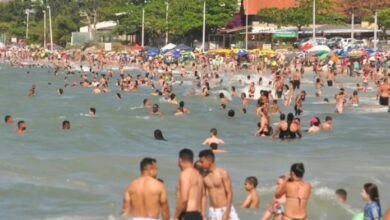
(341, 196)
(253, 199)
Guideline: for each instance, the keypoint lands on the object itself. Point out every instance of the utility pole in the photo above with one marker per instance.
(204, 27)
(314, 20)
(166, 18)
(353, 24)
(51, 29)
(246, 24)
(44, 29)
(28, 20)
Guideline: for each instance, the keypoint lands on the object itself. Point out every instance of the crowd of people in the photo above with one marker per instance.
(146, 197)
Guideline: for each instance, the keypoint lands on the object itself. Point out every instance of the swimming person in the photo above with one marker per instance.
(314, 125)
(231, 113)
(213, 138)
(182, 110)
(341, 196)
(60, 91)
(146, 103)
(370, 194)
(31, 91)
(158, 135)
(155, 110)
(65, 125)
(253, 199)
(297, 193)
(21, 128)
(221, 194)
(189, 189)
(146, 197)
(328, 124)
(92, 112)
(276, 206)
(8, 120)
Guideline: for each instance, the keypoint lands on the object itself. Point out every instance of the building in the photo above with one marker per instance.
(253, 7)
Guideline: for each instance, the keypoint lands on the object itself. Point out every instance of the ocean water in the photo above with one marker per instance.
(81, 174)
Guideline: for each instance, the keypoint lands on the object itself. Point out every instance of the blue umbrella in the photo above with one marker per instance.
(242, 53)
(153, 52)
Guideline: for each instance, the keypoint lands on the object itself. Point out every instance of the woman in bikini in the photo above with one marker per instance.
(297, 193)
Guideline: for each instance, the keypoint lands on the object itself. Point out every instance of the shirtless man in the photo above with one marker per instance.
(21, 128)
(146, 198)
(213, 138)
(328, 124)
(155, 110)
(387, 215)
(340, 99)
(297, 193)
(189, 189)
(296, 77)
(384, 93)
(8, 120)
(219, 189)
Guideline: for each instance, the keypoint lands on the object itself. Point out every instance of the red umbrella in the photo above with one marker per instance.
(136, 47)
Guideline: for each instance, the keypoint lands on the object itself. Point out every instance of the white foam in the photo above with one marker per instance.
(136, 107)
(142, 117)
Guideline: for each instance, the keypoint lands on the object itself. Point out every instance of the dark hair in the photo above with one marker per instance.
(221, 95)
(214, 131)
(173, 96)
(145, 100)
(93, 110)
(342, 193)
(328, 118)
(20, 122)
(252, 180)
(223, 106)
(64, 123)
(214, 146)
(147, 161)
(298, 169)
(290, 117)
(244, 110)
(181, 104)
(186, 155)
(231, 113)
(373, 192)
(158, 135)
(282, 117)
(60, 90)
(7, 117)
(208, 154)
(275, 101)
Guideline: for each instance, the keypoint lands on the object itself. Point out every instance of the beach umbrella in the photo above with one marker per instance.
(319, 48)
(153, 52)
(183, 47)
(136, 47)
(242, 52)
(167, 47)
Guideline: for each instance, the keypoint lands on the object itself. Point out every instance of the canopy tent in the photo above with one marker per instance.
(169, 46)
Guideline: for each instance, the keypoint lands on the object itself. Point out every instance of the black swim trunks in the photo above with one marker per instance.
(296, 84)
(330, 83)
(384, 101)
(190, 216)
(279, 94)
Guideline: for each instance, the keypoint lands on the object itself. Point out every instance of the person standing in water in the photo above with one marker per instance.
(276, 207)
(21, 128)
(297, 193)
(370, 194)
(219, 189)
(213, 138)
(384, 93)
(189, 189)
(146, 197)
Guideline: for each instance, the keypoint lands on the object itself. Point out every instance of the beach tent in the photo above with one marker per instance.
(167, 47)
(182, 47)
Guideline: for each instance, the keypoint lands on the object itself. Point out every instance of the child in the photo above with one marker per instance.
(370, 194)
(252, 200)
(341, 196)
